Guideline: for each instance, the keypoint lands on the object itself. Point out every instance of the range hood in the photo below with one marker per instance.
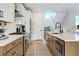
(18, 14)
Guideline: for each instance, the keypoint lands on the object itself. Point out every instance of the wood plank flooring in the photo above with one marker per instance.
(38, 48)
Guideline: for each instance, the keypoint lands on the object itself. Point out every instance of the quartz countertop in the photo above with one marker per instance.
(68, 37)
(10, 39)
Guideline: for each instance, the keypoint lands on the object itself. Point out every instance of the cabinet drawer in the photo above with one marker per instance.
(16, 51)
(11, 45)
(19, 49)
(13, 52)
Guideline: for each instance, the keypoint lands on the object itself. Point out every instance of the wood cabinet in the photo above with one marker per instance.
(12, 49)
(59, 47)
(51, 44)
(71, 48)
(55, 45)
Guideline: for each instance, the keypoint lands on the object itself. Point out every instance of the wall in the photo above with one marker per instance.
(38, 29)
(8, 14)
(69, 22)
(52, 20)
(8, 11)
(26, 16)
(67, 18)
(22, 20)
(49, 23)
(10, 28)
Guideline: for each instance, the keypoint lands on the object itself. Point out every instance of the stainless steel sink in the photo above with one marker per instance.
(55, 33)
(17, 33)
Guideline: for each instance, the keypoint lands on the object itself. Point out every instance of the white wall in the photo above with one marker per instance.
(26, 16)
(67, 18)
(23, 20)
(38, 29)
(59, 17)
(69, 22)
(8, 14)
(49, 23)
(10, 28)
(8, 11)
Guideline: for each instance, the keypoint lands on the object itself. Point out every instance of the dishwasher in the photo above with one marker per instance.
(26, 42)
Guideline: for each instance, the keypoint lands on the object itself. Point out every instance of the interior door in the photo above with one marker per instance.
(41, 28)
(38, 28)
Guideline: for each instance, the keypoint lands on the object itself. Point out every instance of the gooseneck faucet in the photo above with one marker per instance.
(58, 25)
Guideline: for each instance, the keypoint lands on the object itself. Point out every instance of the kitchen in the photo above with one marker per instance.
(39, 29)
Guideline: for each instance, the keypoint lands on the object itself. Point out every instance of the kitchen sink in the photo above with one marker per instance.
(55, 33)
(17, 33)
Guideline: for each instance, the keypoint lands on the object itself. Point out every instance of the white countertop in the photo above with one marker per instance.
(10, 39)
(68, 37)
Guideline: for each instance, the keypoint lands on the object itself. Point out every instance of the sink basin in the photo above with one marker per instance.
(17, 33)
(55, 33)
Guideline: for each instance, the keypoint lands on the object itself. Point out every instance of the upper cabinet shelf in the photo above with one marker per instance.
(4, 21)
(18, 10)
(7, 12)
(18, 14)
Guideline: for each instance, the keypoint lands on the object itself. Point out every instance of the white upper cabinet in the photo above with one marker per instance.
(25, 14)
(20, 8)
(8, 11)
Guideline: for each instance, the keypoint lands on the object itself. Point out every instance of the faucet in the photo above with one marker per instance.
(58, 25)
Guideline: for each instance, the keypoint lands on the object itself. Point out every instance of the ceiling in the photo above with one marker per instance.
(53, 6)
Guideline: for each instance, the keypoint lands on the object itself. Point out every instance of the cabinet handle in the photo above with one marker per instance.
(52, 40)
(13, 53)
(14, 43)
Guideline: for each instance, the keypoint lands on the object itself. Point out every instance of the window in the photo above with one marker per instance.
(48, 14)
(77, 22)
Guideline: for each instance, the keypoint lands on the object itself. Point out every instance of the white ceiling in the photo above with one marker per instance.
(54, 6)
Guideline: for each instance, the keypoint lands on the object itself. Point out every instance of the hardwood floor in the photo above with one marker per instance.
(38, 48)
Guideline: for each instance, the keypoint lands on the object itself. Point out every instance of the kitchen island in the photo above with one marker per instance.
(12, 46)
(66, 44)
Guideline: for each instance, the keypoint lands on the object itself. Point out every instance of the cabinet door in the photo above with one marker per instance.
(11, 45)
(12, 52)
(19, 50)
(2, 51)
(52, 45)
(49, 42)
(14, 48)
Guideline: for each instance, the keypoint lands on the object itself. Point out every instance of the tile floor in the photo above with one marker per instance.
(38, 48)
